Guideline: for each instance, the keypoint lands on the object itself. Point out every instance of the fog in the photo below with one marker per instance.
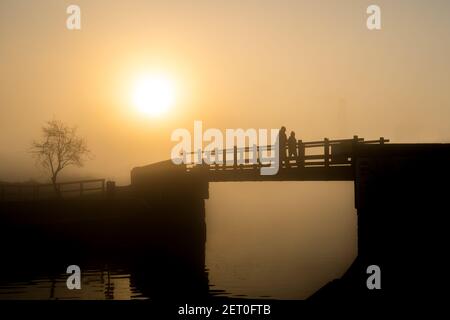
(311, 66)
(284, 240)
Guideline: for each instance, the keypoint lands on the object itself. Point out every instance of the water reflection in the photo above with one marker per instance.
(253, 250)
(283, 240)
(96, 285)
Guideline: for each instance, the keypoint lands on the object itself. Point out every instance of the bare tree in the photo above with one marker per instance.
(59, 147)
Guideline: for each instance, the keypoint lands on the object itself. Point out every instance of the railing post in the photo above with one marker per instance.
(255, 156)
(216, 158)
(258, 157)
(224, 155)
(327, 152)
(242, 154)
(300, 153)
(381, 140)
(235, 157)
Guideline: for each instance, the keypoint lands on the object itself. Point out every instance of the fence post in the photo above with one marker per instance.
(381, 140)
(327, 152)
(235, 157)
(110, 188)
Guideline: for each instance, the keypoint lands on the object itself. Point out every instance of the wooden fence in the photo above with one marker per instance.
(23, 192)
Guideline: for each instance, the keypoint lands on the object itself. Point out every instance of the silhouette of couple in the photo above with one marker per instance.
(291, 144)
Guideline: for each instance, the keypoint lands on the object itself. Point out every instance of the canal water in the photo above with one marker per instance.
(277, 240)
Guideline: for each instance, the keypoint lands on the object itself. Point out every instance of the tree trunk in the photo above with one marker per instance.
(55, 187)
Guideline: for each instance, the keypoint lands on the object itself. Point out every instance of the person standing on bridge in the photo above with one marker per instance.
(282, 140)
(292, 146)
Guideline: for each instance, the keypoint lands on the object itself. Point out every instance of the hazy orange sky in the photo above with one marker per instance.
(312, 66)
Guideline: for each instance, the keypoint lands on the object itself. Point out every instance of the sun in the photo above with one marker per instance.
(154, 95)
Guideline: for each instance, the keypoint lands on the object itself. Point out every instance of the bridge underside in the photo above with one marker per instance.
(344, 173)
(167, 173)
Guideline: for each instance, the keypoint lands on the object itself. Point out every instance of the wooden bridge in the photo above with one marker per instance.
(321, 160)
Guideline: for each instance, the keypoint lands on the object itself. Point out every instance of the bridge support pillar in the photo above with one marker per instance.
(401, 207)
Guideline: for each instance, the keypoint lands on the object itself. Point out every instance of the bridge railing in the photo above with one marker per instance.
(322, 153)
(21, 192)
